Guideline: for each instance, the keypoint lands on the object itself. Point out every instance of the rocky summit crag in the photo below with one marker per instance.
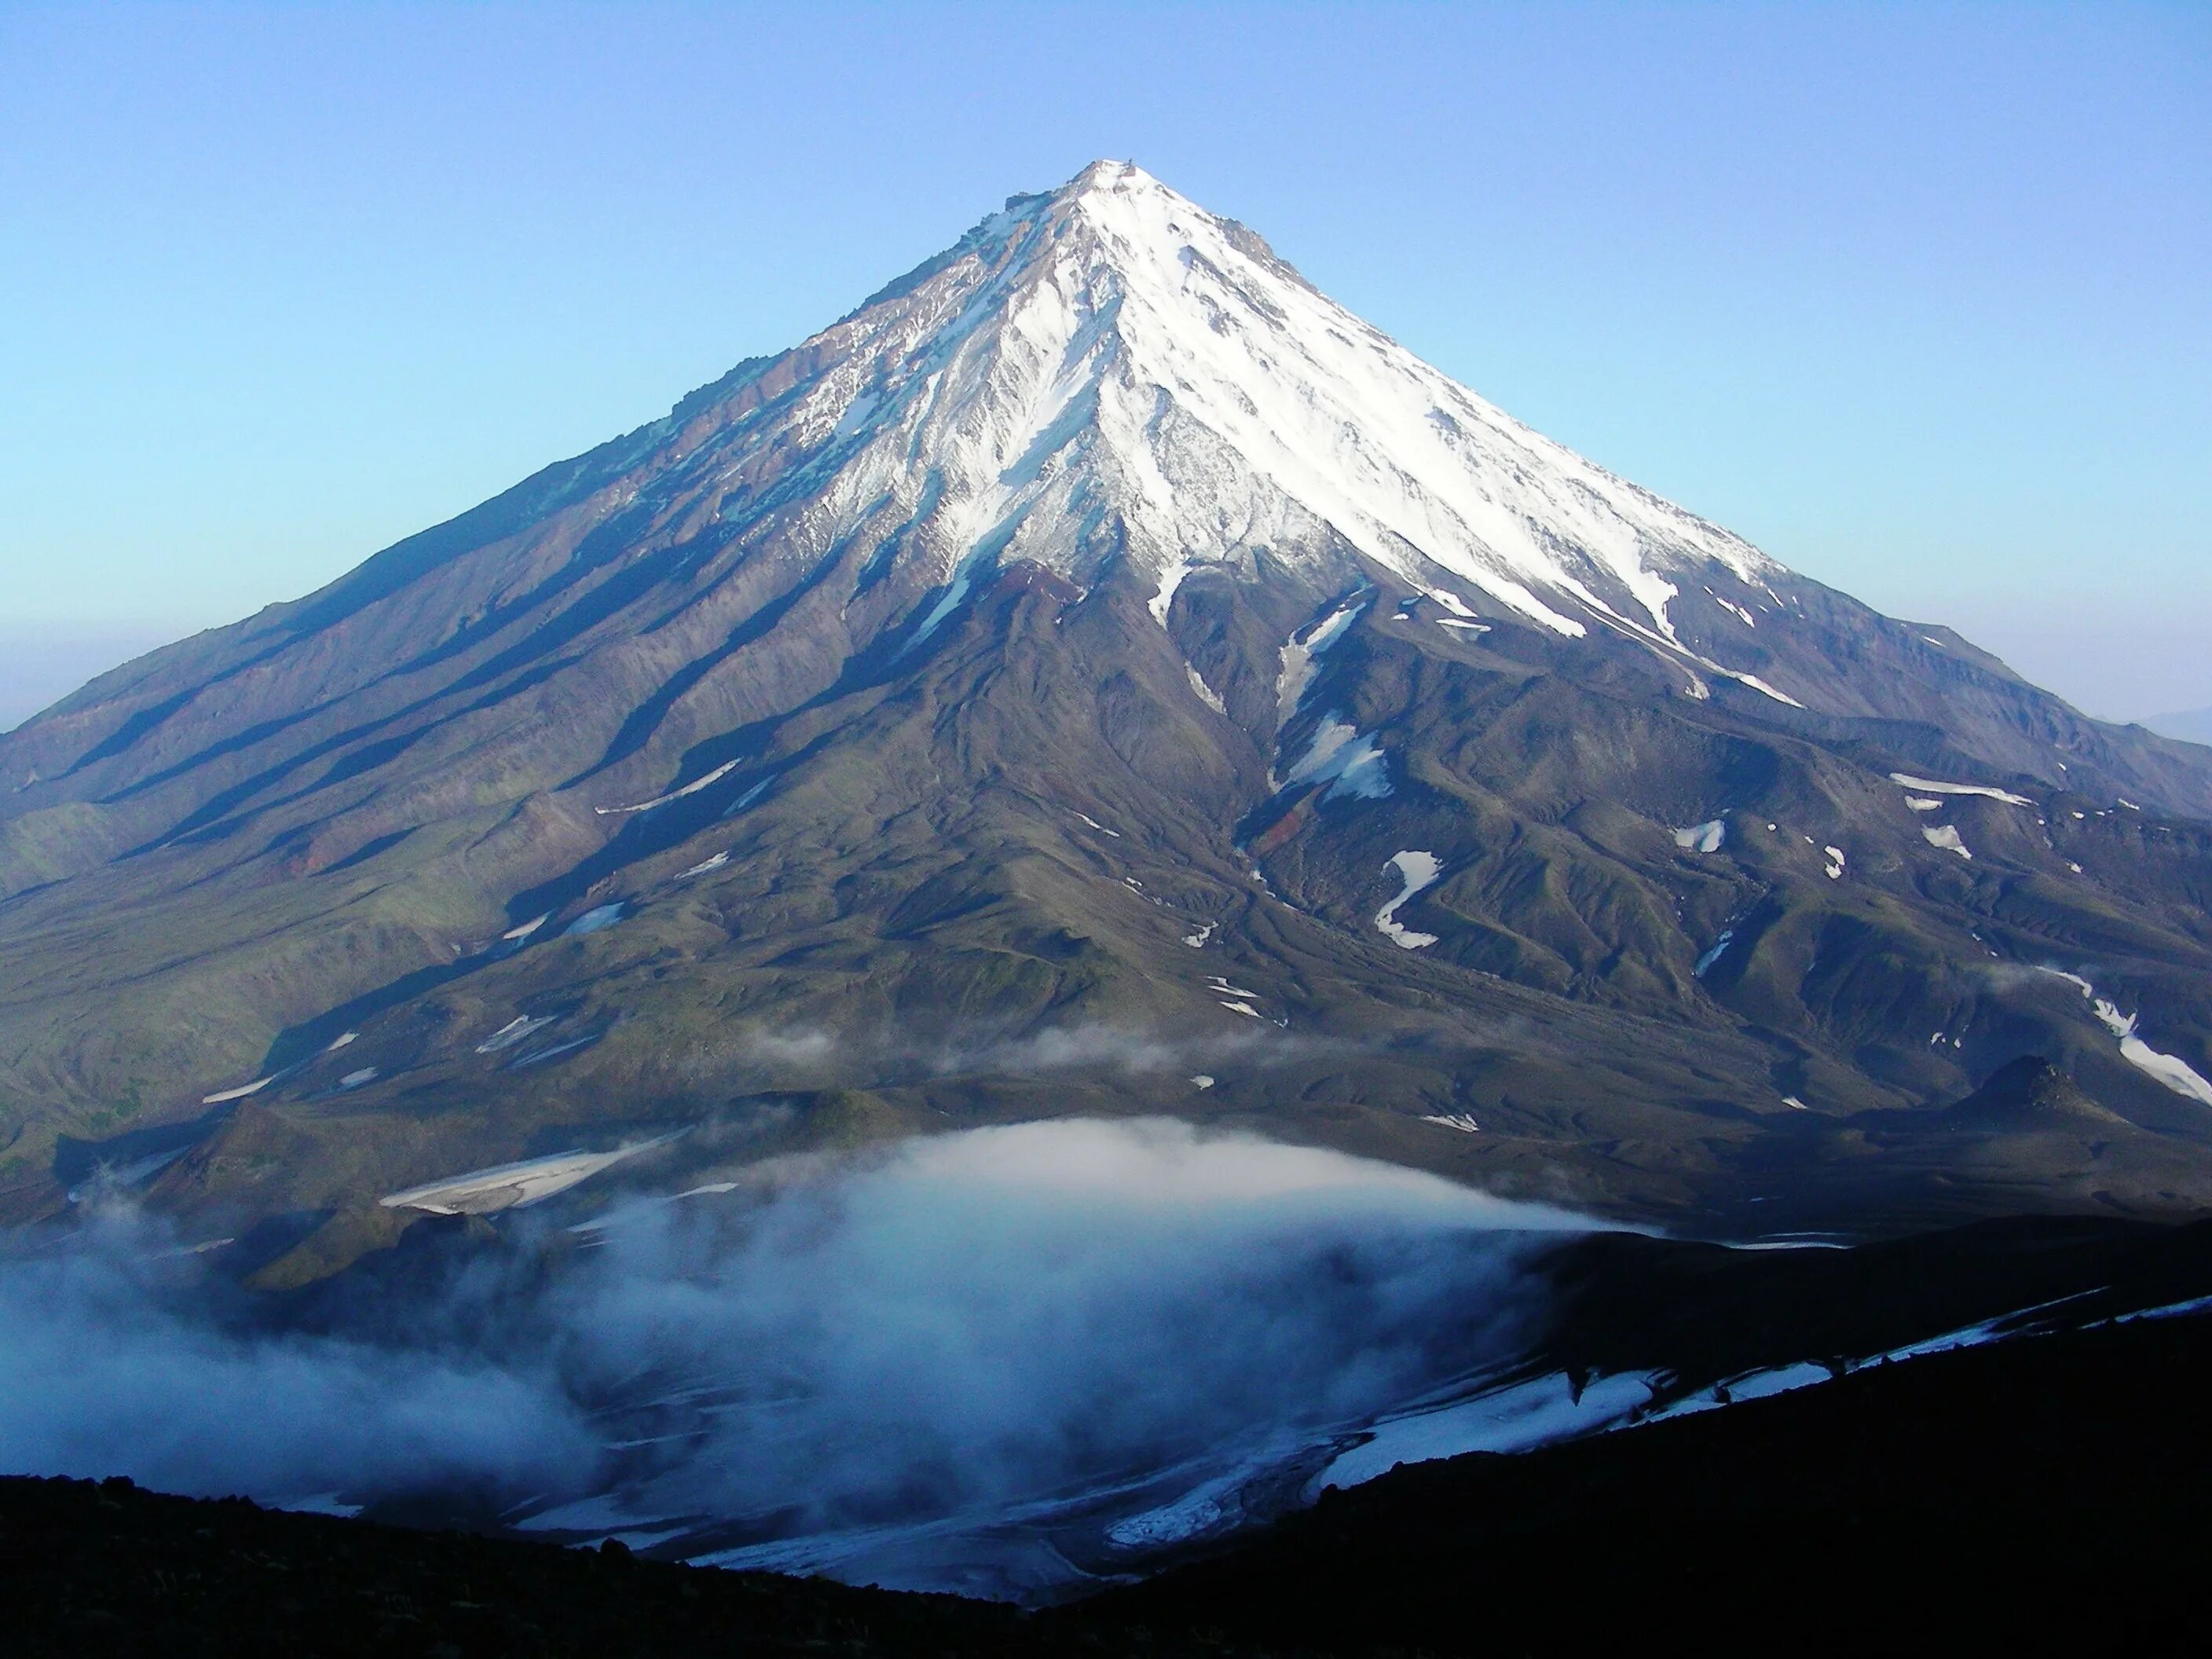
(1099, 674)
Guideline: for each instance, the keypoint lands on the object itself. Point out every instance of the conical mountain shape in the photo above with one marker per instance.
(1110, 374)
(1099, 673)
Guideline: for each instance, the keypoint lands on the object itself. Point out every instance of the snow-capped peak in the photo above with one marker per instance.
(1110, 370)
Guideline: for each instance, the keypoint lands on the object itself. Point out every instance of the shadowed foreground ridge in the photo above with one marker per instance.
(2044, 1496)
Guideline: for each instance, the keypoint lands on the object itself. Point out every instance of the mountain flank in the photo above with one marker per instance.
(1098, 675)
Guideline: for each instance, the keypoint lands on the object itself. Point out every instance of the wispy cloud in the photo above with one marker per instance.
(955, 1320)
(895, 1054)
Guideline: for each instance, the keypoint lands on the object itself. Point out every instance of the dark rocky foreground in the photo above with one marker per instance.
(2045, 1495)
(107, 1568)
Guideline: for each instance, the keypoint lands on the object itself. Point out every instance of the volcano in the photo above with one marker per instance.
(1098, 675)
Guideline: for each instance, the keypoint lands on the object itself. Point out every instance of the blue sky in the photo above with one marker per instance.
(1914, 297)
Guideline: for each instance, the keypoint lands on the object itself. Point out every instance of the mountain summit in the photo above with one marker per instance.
(1099, 673)
(1110, 374)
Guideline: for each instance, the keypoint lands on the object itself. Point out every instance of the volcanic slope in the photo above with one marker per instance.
(1099, 674)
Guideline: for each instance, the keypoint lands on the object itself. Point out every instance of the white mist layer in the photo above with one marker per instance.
(117, 1361)
(960, 1321)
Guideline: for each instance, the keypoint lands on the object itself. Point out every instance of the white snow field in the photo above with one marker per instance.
(2176, 1073)
(1349, 762)
(1300, 659)
(1507, 1420)
(1946, 837)
(1931, 786)
(1719, 949)
(1417, 870)
(239, 1092)
(691, 788)
(512, 1185)
(1112, 341)
(1703, 837)
(512, 1032)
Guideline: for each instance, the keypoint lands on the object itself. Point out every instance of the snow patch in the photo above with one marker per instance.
(1756, 684)
(1299, 660)
(239, 1092)
(691, 788)
(2171, 1070)
(512, 1185)
(1704, 837)
(1348, 762)
(514, 1031)
(747, 799)
(1172, 1522)
(1931, 787)
(1509, 1419)
(1417, 870)
(1206, 694)
(1170, 579)
(1753, 1385)
(1720, 947)
(1945, 837)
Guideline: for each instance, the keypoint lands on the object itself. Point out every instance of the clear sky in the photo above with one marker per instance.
(1917, 298)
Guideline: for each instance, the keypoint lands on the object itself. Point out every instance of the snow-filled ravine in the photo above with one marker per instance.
(1416, 872)
(2176, 1073)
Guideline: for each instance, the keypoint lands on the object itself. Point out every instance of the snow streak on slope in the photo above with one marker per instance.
(1110, 369)
(1417, 871)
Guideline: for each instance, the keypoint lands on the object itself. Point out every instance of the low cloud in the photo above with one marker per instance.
(957, 1321)
(802, 1047)
(1090, 1048)
(120, 1357)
